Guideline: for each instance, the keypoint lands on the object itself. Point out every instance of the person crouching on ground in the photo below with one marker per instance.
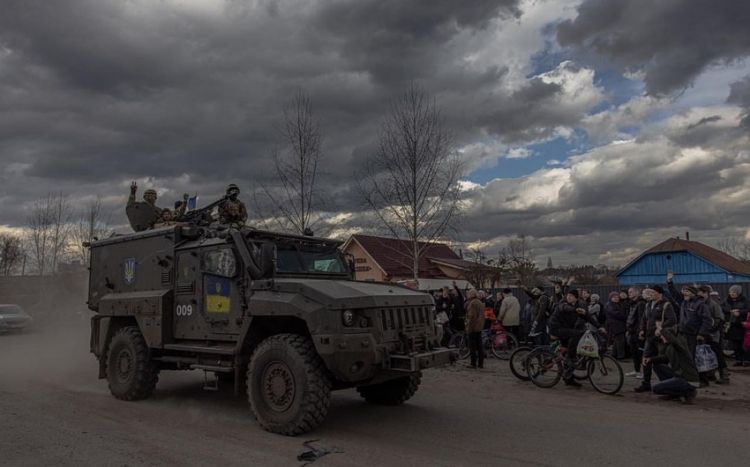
(675, 367)
(474, 326)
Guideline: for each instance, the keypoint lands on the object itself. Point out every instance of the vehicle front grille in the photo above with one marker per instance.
(408, 319)
(409, 326)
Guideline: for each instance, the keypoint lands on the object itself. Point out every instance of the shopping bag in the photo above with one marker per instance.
(442, 318)
(705, 358)
(587, 346)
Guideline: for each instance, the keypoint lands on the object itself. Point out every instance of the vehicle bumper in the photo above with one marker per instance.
(356, 357)
(421, 361)
(12, 326)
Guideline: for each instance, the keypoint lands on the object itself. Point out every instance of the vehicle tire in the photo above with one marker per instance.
(517, 362)
(544, 368)
(288, 385)
(131, 373)
(393, 392)
(504, 351)
(605, 374)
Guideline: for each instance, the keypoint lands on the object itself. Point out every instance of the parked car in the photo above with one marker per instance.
(12, 317)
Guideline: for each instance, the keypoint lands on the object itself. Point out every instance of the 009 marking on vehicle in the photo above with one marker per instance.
(184, 310)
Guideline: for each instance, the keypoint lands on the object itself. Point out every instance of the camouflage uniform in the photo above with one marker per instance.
(157, 210)
(232, 211)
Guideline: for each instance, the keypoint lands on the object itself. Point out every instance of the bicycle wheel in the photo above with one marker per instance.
(460, 343)
(605, 374)
(544, 368)
(581, 372)
(503, 351)
(517, 362)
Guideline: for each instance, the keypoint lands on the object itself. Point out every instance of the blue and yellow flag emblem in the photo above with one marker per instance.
(217, 294)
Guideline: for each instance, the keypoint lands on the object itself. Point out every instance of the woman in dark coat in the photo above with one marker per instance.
(736, 309)
(616, 324)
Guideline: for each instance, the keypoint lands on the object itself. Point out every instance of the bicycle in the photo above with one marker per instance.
(545, 368)
(501, 342)
(497, 343)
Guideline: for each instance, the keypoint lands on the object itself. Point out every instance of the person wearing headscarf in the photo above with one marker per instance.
(736, 310)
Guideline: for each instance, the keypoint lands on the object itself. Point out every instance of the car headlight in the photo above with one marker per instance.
(348, 318)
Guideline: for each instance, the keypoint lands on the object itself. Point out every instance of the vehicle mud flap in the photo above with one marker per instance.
(210, 384)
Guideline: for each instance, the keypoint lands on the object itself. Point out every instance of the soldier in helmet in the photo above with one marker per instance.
(149, 199)
(232, 210)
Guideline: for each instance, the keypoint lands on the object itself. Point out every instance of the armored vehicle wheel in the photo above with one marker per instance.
(130, 372)
(288, 388)
(394, 392)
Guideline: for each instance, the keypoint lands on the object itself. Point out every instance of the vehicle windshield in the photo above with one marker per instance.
(10, 310)
(302, 259)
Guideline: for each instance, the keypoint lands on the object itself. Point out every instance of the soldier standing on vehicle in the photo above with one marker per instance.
(149, 198)
(232, 210)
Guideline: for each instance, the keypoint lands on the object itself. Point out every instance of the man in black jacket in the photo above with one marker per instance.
(636, 308)
(458, 311)
(541, 309)
(715, 338)
(659, 310)
(695, 317)
(568, 323)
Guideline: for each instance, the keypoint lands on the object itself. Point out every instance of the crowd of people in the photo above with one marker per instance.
(659, 328)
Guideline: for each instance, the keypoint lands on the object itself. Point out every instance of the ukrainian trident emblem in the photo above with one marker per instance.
(129, 270)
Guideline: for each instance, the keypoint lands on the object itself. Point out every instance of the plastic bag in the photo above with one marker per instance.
(442, 318)
(705, 358)
(587, 346)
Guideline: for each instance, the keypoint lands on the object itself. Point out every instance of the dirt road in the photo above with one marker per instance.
(53, 411)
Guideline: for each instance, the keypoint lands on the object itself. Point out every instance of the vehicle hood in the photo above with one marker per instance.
(343, 294)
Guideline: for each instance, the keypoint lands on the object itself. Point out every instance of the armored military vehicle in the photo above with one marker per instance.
(280, 315)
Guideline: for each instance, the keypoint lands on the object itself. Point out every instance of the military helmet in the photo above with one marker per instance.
(150, 191)
(233, 188)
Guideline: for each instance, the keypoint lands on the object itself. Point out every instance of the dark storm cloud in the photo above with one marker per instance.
(95, 93)
(739, 93)
(671, 41)
(394, 40)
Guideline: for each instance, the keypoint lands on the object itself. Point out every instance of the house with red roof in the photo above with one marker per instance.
(383, 259)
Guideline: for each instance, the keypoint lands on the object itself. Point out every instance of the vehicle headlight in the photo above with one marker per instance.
(348, 318)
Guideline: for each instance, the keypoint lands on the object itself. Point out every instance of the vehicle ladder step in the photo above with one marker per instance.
(195, 348)
(214, 368)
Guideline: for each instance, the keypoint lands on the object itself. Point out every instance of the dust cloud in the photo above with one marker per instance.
(55, 348)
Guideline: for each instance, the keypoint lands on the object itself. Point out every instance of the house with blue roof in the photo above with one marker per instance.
(690, 262)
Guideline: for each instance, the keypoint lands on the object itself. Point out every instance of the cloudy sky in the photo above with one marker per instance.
(595, 127)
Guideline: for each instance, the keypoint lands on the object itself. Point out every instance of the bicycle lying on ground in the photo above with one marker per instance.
(545, 367)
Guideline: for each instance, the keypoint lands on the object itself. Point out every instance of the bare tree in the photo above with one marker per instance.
(737, 247)
(11, 253)
(296, 198)
(411, 182)
(49, 229)
(519, 257)
(92, 224)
